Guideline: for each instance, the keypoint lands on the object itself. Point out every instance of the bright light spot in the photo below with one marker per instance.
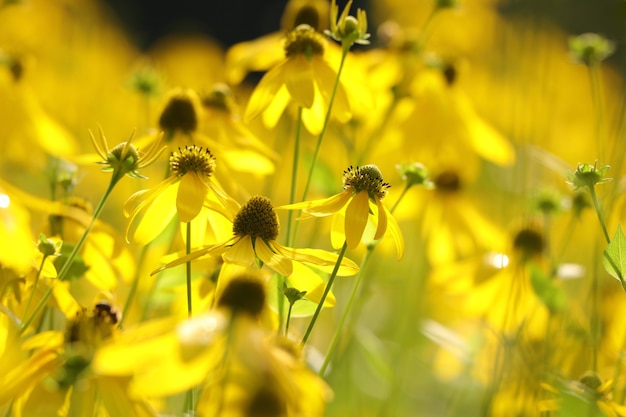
(570, 271)
(497, 260)
(5, 201)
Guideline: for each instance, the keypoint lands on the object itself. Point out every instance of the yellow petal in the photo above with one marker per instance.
(190, 198)
(213, 250)
(356, 218)
(276, 108)
(265, 92)
(156, 217)
(273, 258)
(241, 253)
(382, 220)
(325, 78)
(314, 117)
(307, 280)
(337, 229)
(299, 80)
(322, 207)
(319, 259)
(396, 233)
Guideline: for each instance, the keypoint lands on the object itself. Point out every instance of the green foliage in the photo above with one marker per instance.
(546, 290)
(614, 259)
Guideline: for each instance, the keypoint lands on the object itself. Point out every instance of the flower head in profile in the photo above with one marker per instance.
(124, 158)
(303, 77)
(253, 244)
(188, 190)
(359, 202)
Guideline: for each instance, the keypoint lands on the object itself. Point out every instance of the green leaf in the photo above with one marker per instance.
(614, 259)
(547, 291)
(78, 267)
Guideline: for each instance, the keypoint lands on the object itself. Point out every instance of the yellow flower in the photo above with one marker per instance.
(305, 78)
(253, 244)
(238, 365)
(359, 203)
(186, 192)
(63, 382)
(588, 393)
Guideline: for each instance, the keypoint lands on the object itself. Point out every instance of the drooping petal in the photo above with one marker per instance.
(156, 217)
(337, 229)
(322, 207)
(213, 250)
(273, 258)
(313, 118)
(307, 280)
(265, 92)
(241, 253)
(325, 78)
(319, 259)
(299, 80)
(356, 218)
(382, 220)
(396, 233)
(190, 198)
(276, 108)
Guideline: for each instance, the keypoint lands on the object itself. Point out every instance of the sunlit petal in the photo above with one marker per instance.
(396, 233)
(190, 197)
(273, 258)
(382, 220)
(241, 253)
(356, 219)
(325, 77)
(299, 80)
(323, 207)
(265, 92)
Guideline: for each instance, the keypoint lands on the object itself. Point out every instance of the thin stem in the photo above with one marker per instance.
(288, 319)
(134, 285)
(325, 126)
(292, 197)
(187, 252)
(596, 93)
(357, 285)
(117, 175)
(339, 329)
(329, 284)
(32, 293)
(596, 205)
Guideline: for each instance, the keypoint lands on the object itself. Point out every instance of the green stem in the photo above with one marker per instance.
(596, 205)
(117, 175)
(329, 285)
(339, 329)
(596, 93)
(325, 126)
(134, 285)
(32, 293)
(357, 285)
(188, 251)
(288, 319)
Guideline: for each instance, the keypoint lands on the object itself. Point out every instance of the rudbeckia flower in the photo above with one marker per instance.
(359, 202)
(68, 385)
(188, 191)
(255, 230)
(305, 78)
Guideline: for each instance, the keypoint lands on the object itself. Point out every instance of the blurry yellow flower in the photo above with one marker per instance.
(266, 51)
(304, 77)
(69, 386)
(255, 230)
(359, 203)
(238, 365)
(224, 123)
(189, 188)
(589, 393)
(16, 238)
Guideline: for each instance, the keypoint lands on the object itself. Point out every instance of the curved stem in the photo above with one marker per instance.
(117, 175)
(32, 293)
(329, 285)
(325, 126)
(339, 329)
(596, 205)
